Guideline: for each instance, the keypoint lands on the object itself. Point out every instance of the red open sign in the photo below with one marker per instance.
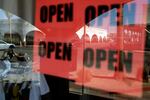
(104, 49)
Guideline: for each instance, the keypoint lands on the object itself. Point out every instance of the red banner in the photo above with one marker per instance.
(92, 42)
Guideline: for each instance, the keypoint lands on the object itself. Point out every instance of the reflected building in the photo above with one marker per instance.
(21, 31)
